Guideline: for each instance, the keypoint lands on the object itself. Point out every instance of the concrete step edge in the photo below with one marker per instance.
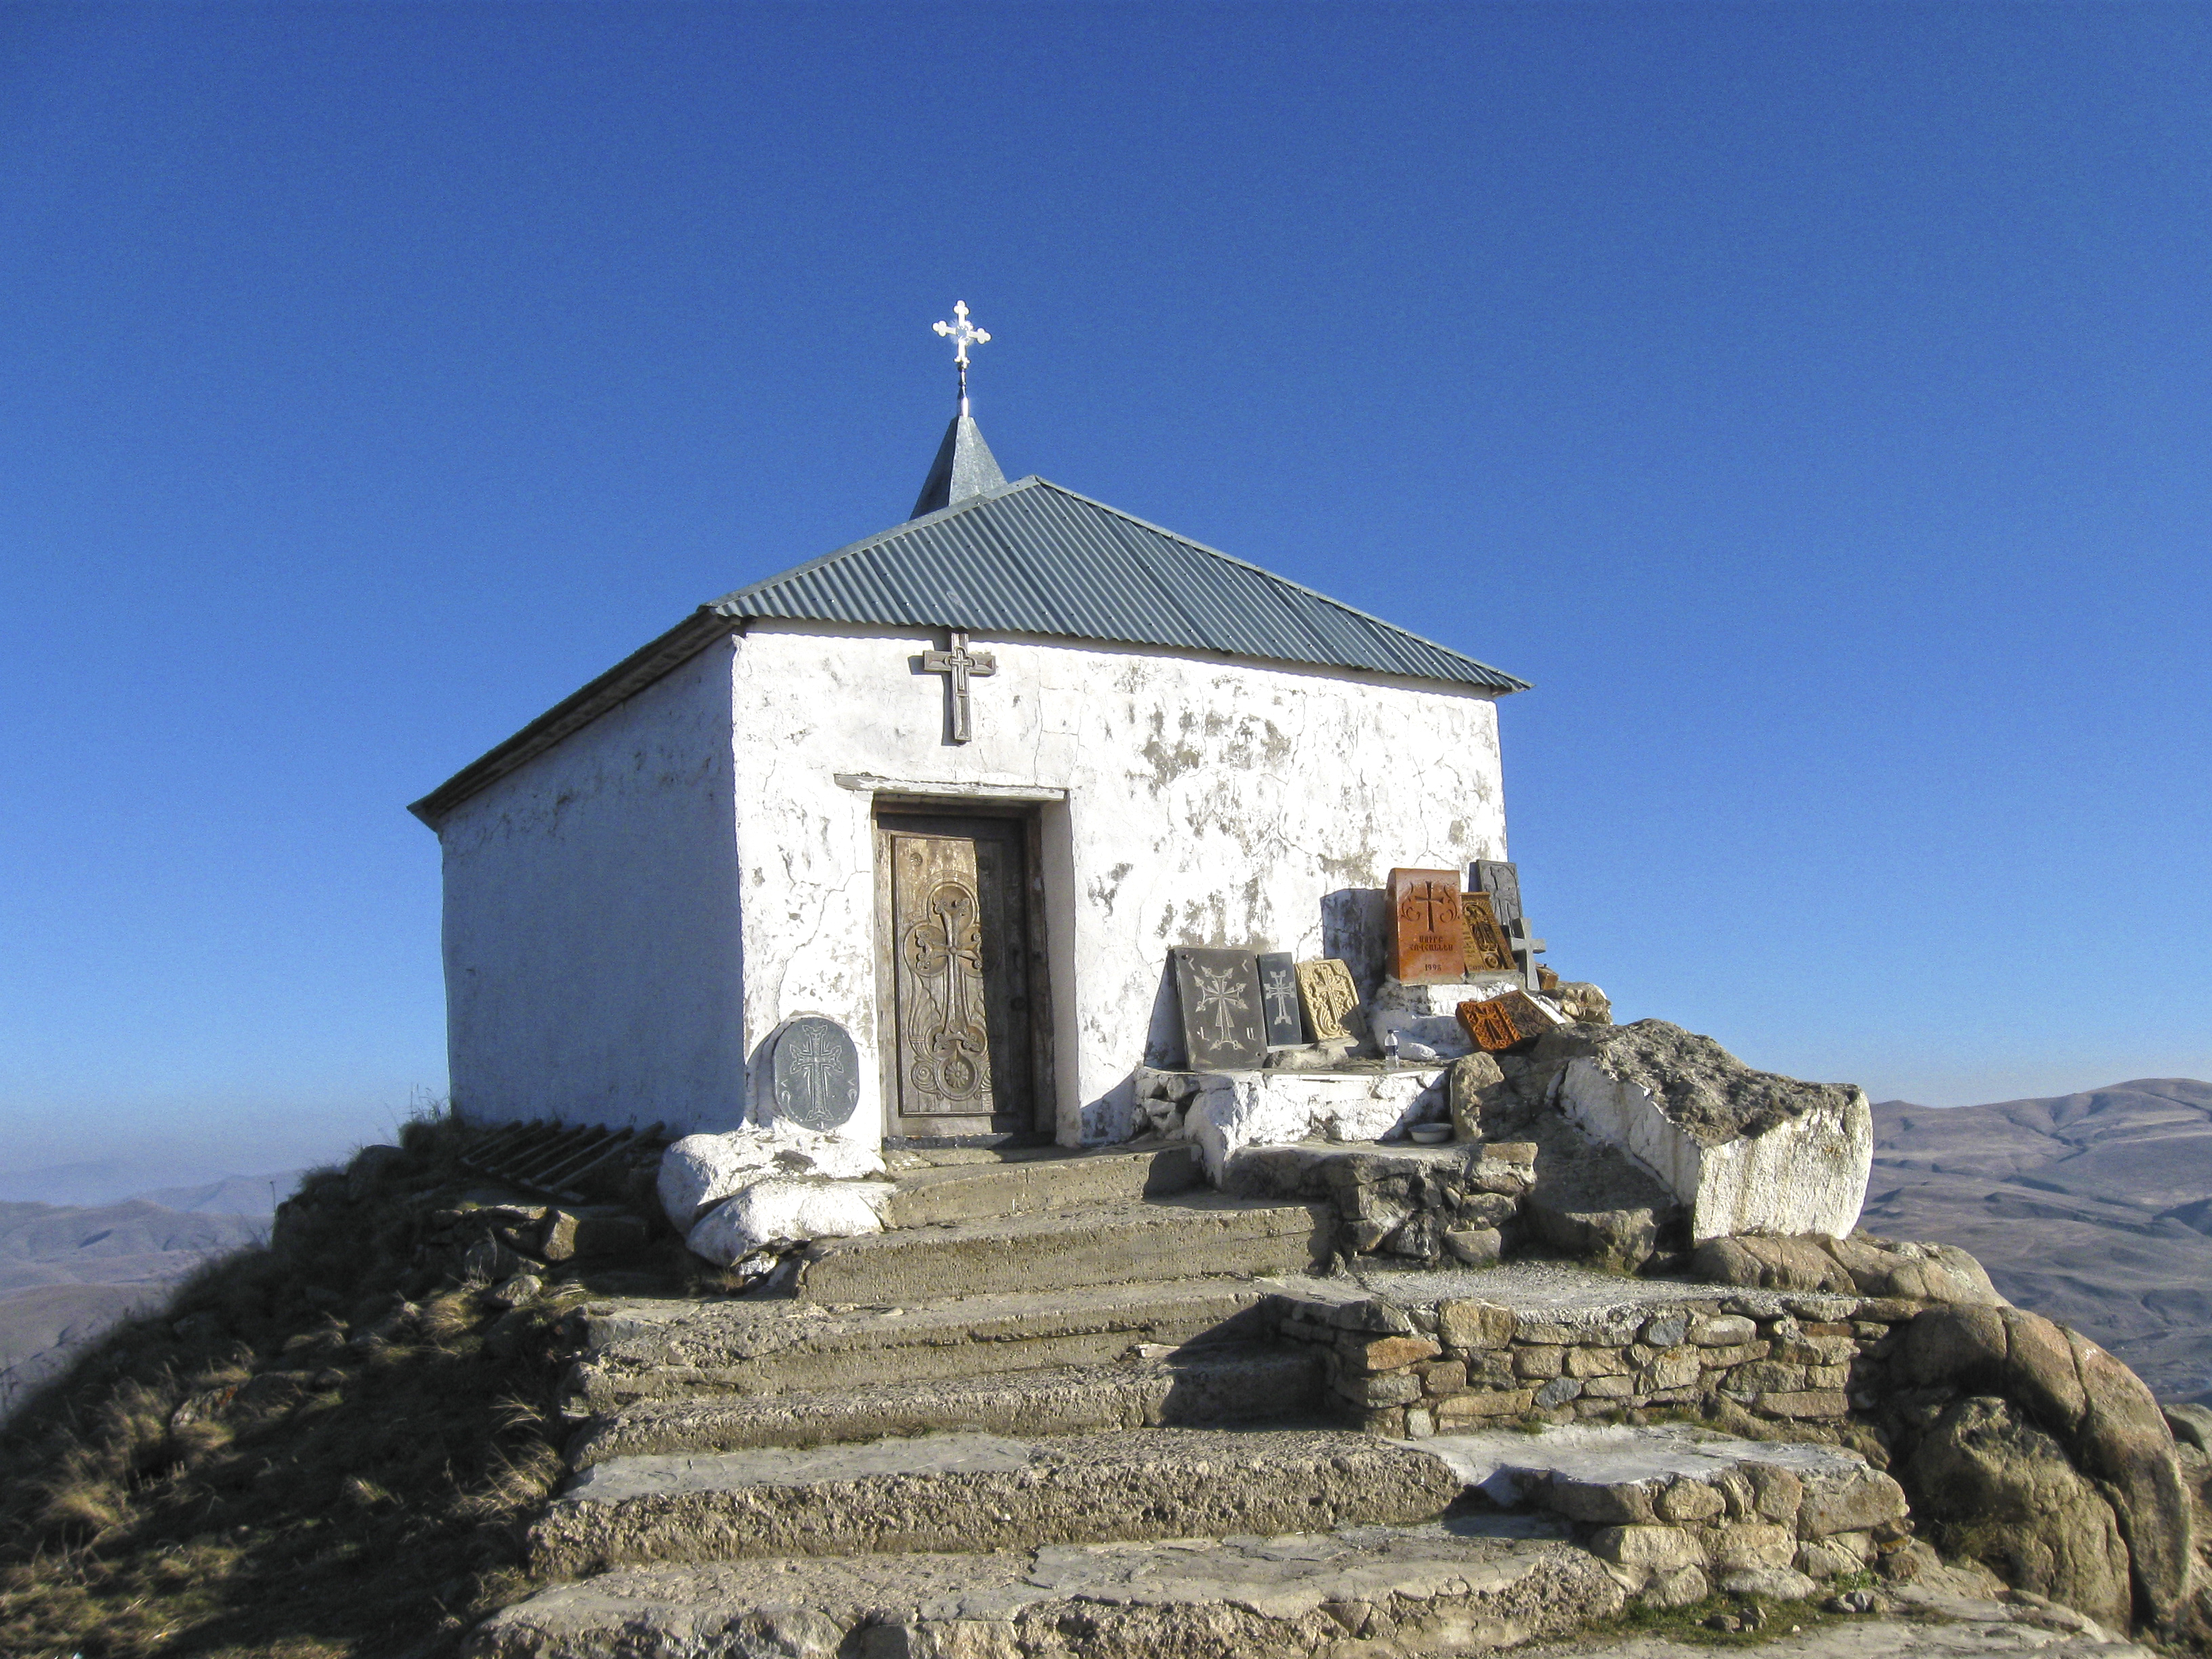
(1215, 1385)
(803, 1347)
(1404, 1590)
(941, 1492)
(1175, 1212)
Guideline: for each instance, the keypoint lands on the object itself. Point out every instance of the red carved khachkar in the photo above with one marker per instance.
(1425, 927)
(1497, 1024)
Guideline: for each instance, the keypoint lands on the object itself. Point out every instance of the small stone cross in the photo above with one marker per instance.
(1525, 952)
(958, 665)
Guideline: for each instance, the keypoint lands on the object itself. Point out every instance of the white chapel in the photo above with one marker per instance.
(956, 790)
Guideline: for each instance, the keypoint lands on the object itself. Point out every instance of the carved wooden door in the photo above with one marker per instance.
(960, 953)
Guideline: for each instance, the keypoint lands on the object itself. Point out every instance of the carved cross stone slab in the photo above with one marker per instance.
(1487, 948)
(1502, 881)
(1278, 996)
(1328, 995)
(816, 1073)
(1222, 1017)
(1425, 941)
(958, 665)
(1504, 1022)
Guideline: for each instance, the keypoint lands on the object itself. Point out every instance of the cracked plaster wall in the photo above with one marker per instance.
(591, 943)
(1205, 802)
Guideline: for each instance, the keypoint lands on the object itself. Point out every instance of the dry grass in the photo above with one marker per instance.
(233, 1477)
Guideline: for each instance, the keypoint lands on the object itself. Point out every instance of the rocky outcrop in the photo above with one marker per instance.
(1857, 1266)
(1581, 1002)
(1743, 1151)
(2088, 1404)
(1590, 1200)
(2006, 1495)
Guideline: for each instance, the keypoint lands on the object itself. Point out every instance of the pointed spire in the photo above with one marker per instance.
(964, 465)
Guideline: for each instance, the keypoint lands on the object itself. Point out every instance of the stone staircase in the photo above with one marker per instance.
(1048, 1412)
(1003, 1284)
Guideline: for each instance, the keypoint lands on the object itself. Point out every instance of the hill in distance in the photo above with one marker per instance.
(2094, 1208)
(68, 1272)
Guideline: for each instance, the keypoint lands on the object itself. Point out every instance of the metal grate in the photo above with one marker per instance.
(563, 1161)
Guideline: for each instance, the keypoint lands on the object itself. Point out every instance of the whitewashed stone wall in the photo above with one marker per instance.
(1186, 801)
(631, 915)
(591, 939)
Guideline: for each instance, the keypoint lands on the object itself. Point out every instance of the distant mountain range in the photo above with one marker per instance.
(113, 1180)
(67, 1272)
(2094, 1208)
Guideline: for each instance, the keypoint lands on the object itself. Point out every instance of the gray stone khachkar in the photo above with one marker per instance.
(814, 1073)
(1223, 1020)
(1502, 881)
(1279, 998)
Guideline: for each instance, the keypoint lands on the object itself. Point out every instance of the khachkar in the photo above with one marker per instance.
(1426, 944)
(1224, 1027)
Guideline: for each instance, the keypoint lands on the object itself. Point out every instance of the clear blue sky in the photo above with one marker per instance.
(1811, 400)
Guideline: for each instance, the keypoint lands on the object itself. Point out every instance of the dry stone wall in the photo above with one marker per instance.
(2025, 1443)
(1426, 1368)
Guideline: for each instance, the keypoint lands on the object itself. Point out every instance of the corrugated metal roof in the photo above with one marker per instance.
(1034, 558)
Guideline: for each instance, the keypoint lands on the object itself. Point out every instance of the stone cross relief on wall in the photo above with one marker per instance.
(958, 665)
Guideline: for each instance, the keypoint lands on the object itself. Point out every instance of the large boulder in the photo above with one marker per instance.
(2125, 1443)
(2096, 1408)
(778, 1212)
(1743, 1151)
(700, 1171)
(2008, 1496)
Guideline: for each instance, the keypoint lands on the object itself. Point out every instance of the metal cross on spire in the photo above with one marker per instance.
(963, 334)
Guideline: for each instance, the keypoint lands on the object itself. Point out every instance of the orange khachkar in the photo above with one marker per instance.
(1425, 927)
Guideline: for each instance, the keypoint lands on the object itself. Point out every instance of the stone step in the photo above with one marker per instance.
(1023, 1183)
(1193, 1388)
(1751, 1517)
(1105, 1244)
(984, 1491)
(677, 1349)
(1466, 1585)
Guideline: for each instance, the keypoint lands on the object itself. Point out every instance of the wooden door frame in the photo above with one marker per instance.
(1044, 1121)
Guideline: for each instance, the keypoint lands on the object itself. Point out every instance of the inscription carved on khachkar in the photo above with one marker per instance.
(1223, 1027)
(1278, 1000)
(1425, 927)
(1483, 942)
(1328, 995)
